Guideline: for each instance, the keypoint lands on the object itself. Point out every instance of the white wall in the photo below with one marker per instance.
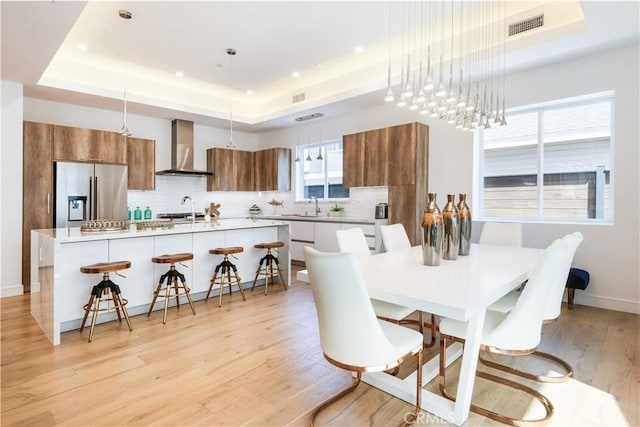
(610, 253)
(11, 190)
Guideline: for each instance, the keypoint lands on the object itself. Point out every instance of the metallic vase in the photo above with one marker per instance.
(464, 218)
(451, 236)
(431, 232)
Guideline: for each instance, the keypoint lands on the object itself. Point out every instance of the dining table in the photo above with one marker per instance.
(460, 289)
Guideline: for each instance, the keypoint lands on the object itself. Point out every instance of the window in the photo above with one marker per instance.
(319, 171)
(551, 163)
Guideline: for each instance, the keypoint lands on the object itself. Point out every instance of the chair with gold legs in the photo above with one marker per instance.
(225, 268)
(266, 266)
(353, 240)
(172, 283)
(109, 290)
(552, 312)
(517, 332)
(351, 337)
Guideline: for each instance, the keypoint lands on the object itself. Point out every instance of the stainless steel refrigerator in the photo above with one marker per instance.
(86, 191)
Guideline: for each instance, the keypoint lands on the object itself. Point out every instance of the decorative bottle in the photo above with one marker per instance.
(137, 214)
(147, 213)
(464, 218)
(451, 237)
(128, 213)
(431, 232)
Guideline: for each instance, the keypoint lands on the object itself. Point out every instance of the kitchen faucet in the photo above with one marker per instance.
(315, 199)
(193, 208)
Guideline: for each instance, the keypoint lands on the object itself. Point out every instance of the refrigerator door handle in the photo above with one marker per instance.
(90, 197)
(95, 198)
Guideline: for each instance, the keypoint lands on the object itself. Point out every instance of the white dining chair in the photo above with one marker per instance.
(351, 337)
(553, 305)
(394, 237)
(501, 233)
(353, 240)
(517, 332)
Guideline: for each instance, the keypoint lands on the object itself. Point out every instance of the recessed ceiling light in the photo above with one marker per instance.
(249, 92)
(319, 65)
(179, 74)
(83, 47)
(359, 49)
(295, 74)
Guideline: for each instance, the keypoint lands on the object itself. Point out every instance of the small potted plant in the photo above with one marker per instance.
(336, 210)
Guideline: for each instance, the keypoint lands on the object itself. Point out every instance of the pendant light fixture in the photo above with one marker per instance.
(231, 144)
(126, 15)
(319, 157)
(298, 147)
(308, 158)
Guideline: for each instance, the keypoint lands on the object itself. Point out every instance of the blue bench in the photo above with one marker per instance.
(578, 279)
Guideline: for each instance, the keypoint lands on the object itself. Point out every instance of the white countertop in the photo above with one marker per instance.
(319, 218)
(68, 235)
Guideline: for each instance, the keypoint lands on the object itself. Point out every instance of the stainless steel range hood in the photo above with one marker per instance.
(182, 151)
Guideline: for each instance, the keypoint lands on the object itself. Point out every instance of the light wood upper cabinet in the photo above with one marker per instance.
(88, 145)
(37, 182)
(272, 169)
(141, 164)
(353, 160)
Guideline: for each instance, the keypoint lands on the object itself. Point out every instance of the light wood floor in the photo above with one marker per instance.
(259, 363)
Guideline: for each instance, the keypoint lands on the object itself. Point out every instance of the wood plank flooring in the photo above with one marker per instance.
(259, 363)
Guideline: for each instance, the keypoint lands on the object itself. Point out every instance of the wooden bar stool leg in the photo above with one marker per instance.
(280, 275)
(86, 311)
(119, 301)
(262, 260)
(213, 281)
(94, 318)
(187, 292)
(155, 295)
(239, 285)
(167, 295)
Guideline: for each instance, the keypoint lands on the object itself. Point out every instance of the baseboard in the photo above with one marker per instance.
(11, 291)
(606, 302)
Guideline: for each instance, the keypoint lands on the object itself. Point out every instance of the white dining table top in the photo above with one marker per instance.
(457, 289)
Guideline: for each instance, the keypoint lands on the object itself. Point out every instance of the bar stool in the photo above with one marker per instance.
(265, 267)
(172, 288)
(105, 287)
(225, 277)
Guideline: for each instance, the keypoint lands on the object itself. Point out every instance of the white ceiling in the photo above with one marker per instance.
(315, 38)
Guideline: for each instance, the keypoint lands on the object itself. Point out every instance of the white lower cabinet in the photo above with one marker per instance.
(139, 282)
(205, 263)
(326, 236)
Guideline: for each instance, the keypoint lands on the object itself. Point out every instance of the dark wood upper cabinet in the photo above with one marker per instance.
(88, 145)
(376, 155)
(141, 164)
(402, 154)
(37, 182)
(353, 160)
(272, 169)
(244, 171)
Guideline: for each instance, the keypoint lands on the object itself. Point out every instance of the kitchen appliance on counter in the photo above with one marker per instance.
(382, 211)
(89, 191)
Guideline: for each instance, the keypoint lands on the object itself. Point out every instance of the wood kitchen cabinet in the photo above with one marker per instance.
(365, 159)
(233, 170)
(37, 182)
(88, 145)
(353, 160)
(244, 170)
(141, 164)
(272, 169)
(220, 164)
(396, 157)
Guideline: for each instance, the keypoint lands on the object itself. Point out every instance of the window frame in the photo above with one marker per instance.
(540, 109)
(299, 171)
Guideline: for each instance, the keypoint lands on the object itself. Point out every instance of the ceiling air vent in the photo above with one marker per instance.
(298, 98)
(526, 25)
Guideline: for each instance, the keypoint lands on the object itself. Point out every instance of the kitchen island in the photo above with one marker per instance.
(59, 290)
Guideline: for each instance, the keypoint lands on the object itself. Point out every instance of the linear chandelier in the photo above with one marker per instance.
(452, 61)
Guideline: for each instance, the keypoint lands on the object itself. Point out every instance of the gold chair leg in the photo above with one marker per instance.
(412, 419)
(94, 318)
(187, 292)
(255, 279)
(490, 414)
(354, 383)
(119, 301)
(167, 295)
(540, 378)
(86, 312)
(213, 281)
(239, 286)
(155, 297)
